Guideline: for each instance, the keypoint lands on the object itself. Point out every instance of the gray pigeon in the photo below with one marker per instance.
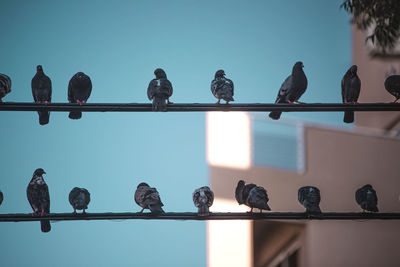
(291, 89)
(221, 87)
(41, 91)
(148, 198)
(367, 199)
(392, 85)
(309, 197)
(252, 195)
(39, 198)
(351, 86)
(79, 89)
(1, 197)
(5, 86)
(79, 199)
(160, 90)
(203, 198)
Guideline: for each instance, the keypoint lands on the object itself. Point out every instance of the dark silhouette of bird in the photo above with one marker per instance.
(39, 198)
(148, 198)
(309, 197)
(221, 87)
(203, 198)
(79, 89)
(79, 199)
(41, 91)
(160, 90)
(351, 86)
(291, 89)
(366, 197)
(5, 86)
(1, 197)
(252, 195)
(392, 85)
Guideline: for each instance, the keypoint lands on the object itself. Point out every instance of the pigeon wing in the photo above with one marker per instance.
(284, 91)
(152, 89)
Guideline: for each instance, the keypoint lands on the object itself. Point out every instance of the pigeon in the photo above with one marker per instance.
(291, 89)
(221, 87)
(160, 90)
(41, 91)
(309, 197)
(351, 86)
(79, 89)
(367, 199)
(392, 85)
(252, 195)
(5, 86)
(1, 197)
(79, 199)
(203, 198)
(148, 198)
(39, 198)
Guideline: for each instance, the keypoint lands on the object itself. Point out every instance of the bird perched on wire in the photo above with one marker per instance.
(79, 89)
(366, 197)
(41, 91)
(309, 197)
(351, 86)
(5, 86)
(252, 195)
(203, 198)
(221, 87)
(1, 197)
(79, 199)
(160, 90)
(392, 85)
(148, 198)
(39, 198)
(291, 89)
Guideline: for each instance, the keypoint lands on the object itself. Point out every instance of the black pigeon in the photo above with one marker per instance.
(41, 91)
(1, 197)
(148, 198)
(160, 90)
(39, 198)
(291, 89)
(351, 86)
(5, 86)
(252, 195)
(79, 199)
(309, 197)
(79, 89)
(367, 199)
(203, 198)
(392, 85)
(221, 87)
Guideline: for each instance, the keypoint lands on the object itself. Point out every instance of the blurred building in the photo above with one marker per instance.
(285, 155)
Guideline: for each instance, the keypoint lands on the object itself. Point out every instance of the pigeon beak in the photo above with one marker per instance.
(44, 172)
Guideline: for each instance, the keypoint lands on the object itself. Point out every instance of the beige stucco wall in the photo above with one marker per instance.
(337, 162)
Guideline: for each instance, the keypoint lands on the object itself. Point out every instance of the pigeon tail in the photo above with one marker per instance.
(313, 209)
(371, 208)
(45, 225)
(156, 209)
(203, 210)
(159, 104)
(263, 206)
(348, 117)
(76, 115)
(44, 117)
(275, 115)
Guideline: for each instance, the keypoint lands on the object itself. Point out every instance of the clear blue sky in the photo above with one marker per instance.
(119, 44)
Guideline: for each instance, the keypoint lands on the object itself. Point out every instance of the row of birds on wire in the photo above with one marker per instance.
(160, 90)
(148, 198)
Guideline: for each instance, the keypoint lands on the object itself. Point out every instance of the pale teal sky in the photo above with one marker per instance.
(119, 44)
